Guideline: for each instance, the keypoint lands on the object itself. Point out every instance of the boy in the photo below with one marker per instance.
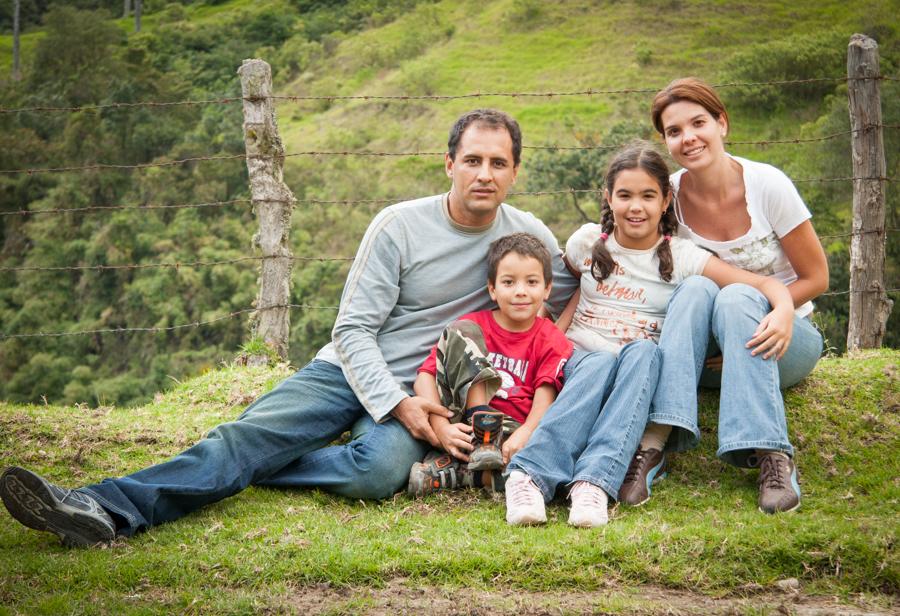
(509, 357)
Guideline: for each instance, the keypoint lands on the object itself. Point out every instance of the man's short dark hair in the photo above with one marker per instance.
(490, 118)
(524, 244)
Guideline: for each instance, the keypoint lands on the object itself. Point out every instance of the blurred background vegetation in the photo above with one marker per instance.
(84, 52)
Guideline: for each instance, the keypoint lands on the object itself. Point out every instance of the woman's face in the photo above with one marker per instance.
(695, 139)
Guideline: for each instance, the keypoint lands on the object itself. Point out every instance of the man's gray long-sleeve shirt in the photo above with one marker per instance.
(416, 270)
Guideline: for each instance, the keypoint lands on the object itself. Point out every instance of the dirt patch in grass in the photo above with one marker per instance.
(405, 597)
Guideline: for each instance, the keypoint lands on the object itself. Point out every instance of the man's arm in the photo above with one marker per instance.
(370, 294)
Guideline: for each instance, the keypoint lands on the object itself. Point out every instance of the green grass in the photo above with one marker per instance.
(700, 532)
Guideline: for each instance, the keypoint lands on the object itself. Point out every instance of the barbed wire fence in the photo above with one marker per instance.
(270, 162)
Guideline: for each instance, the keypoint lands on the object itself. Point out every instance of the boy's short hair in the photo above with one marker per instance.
(524, 244)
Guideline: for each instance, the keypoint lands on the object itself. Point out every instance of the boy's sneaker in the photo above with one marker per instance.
(524, 501)
(438, 471)
(487, 429)
(589, 504)
(76, 518)
(778, 486)
(647, 466)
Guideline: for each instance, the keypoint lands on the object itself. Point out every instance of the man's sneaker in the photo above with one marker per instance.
(524, 501)
(438, 471)
(647, 466)
(487, 429)
(589, 504)
(778, 486)
(76, 518)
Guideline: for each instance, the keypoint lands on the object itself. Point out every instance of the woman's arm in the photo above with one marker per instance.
(773, 336)
(804, 250)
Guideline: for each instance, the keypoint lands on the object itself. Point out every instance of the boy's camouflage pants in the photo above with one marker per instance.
(462, 361)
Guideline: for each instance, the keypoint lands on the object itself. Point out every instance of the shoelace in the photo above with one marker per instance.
(523, 493)
(589, 493)
(770, 472)
(635, 466)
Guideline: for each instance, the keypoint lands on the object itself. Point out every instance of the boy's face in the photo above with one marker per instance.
(519, 290)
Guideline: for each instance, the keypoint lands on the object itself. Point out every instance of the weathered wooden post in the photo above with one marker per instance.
(869, 303)
(272, 202)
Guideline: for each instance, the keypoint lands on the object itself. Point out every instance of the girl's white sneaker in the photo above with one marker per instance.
(524, 501)
(589, 504)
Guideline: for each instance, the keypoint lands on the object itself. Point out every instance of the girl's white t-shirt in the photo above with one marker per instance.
(775, 209)
(631, 303)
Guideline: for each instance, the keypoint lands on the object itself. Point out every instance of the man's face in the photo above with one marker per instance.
(481, 174)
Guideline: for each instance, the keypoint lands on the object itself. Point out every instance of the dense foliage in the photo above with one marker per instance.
(190, 51)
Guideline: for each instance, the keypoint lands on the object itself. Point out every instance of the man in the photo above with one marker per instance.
(420, 264)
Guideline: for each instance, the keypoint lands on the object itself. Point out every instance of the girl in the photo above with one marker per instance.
(629, 265)
(750, 215)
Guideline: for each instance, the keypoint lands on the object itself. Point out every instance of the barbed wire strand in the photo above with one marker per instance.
(379, 154)
(414, 97)
(178, 264)
(106, 208)
(848, 292)
(231, 315)
(174, 264)
(123, 330)
(524, 193)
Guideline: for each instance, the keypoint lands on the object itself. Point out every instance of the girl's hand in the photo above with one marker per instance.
(516, 441)
(456, 439)
(773, 336)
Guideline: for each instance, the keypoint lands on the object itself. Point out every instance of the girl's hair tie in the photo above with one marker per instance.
(604, 236)
(667, 238)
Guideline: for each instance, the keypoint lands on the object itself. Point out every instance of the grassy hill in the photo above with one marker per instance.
(698, 545)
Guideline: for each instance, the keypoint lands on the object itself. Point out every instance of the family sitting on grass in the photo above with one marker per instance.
(682, 281)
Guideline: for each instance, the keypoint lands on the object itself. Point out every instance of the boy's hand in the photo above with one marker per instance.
(456, 439)
(516, 441)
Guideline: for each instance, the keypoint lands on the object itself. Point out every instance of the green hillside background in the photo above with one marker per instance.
(81, 54)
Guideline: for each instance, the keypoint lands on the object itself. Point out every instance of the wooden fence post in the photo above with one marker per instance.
(272, 202)
(869, 304)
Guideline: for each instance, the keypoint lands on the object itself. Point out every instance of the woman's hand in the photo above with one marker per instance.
(516, 441)
(456, 439)
(773, 336)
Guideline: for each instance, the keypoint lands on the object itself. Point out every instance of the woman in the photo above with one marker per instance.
(750, 215)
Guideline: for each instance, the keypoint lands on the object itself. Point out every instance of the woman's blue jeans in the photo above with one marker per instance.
(701, 320)
(280, 440)
(592, 430)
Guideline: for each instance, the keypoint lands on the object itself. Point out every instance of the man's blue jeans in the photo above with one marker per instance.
(280, 440)
(592, 430)
(701, 319)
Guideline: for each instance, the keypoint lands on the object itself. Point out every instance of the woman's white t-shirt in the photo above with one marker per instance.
(775, 209)
(631, 303)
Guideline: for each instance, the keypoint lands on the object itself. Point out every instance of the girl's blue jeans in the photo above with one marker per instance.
(593, 428)
(280, 440)
(702, 320)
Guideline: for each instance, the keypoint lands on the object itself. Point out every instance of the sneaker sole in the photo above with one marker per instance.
(31, 502)
(794, 508)
(487, 461)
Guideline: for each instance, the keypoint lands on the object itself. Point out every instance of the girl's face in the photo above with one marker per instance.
(637, 204)
(693, 136)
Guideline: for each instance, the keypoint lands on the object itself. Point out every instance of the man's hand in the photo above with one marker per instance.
(413, 413)
(456, 439)
(516, 441)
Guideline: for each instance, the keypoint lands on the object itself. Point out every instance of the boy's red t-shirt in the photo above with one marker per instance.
(525, 360)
